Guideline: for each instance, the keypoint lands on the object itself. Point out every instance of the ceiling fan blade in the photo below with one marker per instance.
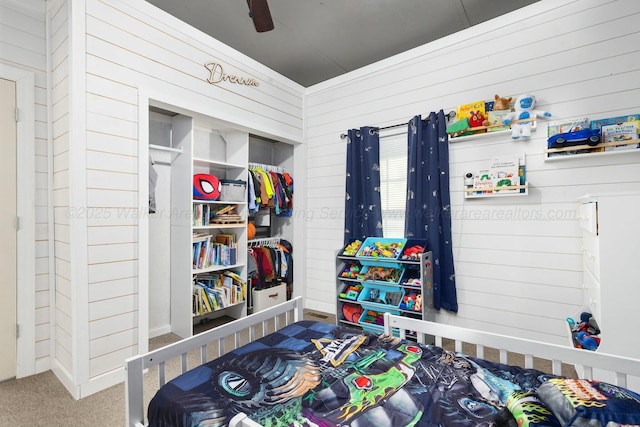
(259, 12)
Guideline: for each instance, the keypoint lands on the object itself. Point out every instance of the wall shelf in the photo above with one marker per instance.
(552, 154)
(489, 134)
(499, 177)
(503, 191)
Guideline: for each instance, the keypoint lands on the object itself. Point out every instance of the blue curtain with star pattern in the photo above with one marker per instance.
(363, 213)
(428, 207)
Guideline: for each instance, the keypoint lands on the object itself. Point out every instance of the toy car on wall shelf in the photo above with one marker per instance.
(589, 137)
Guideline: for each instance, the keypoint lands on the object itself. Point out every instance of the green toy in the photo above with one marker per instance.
(458, 128)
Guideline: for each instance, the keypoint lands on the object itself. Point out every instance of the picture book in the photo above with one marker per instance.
(505, 173)
(495, 120)
(464, 110)
(482, 182)
(620, 134)
(566, 125)
(598, 123)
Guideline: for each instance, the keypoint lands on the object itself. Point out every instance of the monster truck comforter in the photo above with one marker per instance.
(319, 374)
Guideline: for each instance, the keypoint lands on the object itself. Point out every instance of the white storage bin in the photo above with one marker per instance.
(233, 190)
(265, 298)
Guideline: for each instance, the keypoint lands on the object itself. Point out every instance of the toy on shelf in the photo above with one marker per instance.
(352, 248)
(521, 119)
(351, 292)
(501, 103)
(380, 249)
(352, 312)
(412, 253)
(458, 128)
(373, 317)
(412, 301)
(351, 271)
(382, 274)
(586, 341)
(584, 333)
(477, 119)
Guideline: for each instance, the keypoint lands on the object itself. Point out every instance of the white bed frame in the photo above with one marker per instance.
(426, 332)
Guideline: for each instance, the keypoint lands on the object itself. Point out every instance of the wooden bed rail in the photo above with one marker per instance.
(557, 354)
(135, 366)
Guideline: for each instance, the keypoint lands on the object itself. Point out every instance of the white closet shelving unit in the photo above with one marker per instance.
(197, 146)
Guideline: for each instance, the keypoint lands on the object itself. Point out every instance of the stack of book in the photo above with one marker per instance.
(216, 291)
(209, 250)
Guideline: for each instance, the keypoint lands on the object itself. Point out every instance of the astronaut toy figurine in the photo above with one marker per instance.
(524, 110)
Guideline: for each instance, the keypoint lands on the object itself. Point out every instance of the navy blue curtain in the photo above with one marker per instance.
(363, 213)
(428, 209)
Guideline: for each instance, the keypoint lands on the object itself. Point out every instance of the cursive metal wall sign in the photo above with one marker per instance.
(217, 75)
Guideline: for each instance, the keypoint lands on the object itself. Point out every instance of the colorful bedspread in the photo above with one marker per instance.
(318, 374)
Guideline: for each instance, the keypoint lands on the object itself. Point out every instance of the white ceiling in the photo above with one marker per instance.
(315, 40)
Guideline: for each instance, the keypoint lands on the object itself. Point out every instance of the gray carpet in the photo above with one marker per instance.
(41, 400)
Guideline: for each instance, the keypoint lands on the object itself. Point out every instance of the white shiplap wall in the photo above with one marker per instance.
(23, 46)
(59, 23)
(518, 260)
(125, 51)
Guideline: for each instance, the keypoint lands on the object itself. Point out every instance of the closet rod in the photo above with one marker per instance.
(450, 115)
(163, 148)
(261, 241)
(270, 168)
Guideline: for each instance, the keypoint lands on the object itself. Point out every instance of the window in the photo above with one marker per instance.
(393, 183)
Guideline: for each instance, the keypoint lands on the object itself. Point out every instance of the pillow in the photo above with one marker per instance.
(590, 403)
(529, 411)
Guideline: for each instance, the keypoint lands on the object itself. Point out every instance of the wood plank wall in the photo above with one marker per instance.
(518, 260)
(132, 49)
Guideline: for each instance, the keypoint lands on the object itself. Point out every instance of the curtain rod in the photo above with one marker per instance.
(450, 115)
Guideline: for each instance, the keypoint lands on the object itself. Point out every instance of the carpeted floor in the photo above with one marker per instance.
(41, 400)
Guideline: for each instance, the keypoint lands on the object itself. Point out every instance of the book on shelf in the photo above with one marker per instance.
(464, 110)
(571, 124)
(620, 134)
(502, 172)
(482, 182)
(496, 118)
(598, 123)
(505, 172)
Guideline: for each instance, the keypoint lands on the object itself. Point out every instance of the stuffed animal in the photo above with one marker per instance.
(477, 119)
(501, 103)
(524, 113)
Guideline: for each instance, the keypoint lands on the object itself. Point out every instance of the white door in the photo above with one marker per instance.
(8, 229)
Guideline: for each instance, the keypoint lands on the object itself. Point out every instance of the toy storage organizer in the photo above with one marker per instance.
(378, 276)
(609, 227)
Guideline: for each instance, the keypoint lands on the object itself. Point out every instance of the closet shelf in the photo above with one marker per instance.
(219, 226)
(216, 163)
(215, 268)
(217, 202)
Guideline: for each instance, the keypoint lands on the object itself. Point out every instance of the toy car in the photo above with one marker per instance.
(579, 137)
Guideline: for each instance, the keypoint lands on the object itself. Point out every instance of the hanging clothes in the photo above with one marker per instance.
(270, 189)
(270, 264)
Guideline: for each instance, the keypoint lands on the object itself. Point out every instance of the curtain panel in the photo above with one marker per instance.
(428, 207)
(363, 213)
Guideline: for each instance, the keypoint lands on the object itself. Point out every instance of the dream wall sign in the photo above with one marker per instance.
(217, 75)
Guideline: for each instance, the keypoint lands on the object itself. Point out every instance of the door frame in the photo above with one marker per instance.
(25, 210)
